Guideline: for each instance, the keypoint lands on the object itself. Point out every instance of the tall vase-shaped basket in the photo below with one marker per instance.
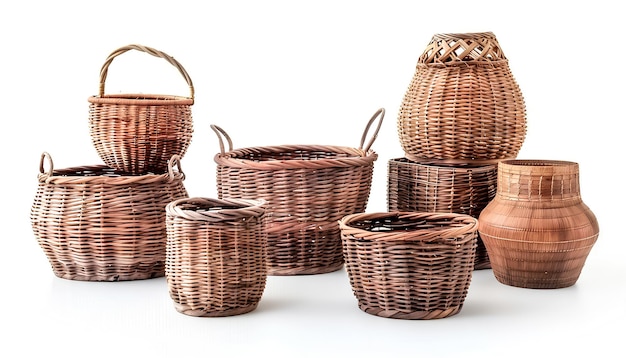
(537, 230)
(463, 103)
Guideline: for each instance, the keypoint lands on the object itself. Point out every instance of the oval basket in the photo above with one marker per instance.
(308, 188)
(409, 265)
(94, 224)
(139, 133)
(463, 103)
(466, 189)
(216, 255)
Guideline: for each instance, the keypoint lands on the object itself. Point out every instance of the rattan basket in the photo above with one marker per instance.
(139, 133)
(463, 189)
(308, 188)
(94, 224)
(463, 103)
(409, 265)
(216, 255)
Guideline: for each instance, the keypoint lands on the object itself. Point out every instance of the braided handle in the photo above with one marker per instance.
(105, 67)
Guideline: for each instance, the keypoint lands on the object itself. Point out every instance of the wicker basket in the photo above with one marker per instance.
(216, 255)
(94, 224)
(139, 133)
(308, 188)
(434, 188)
(462, 104)
(409, 265)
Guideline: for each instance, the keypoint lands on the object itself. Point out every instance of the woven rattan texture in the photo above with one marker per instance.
(216, 256)
(139, 133)
(308, 188)
(94, 224)
(460, 109)
(537, 230)
(464, 189)
(409, 265)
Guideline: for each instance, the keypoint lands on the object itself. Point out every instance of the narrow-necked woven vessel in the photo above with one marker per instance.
(308, 188)
(95, 224)
(216, 255)
(463, 103)
(409, 265)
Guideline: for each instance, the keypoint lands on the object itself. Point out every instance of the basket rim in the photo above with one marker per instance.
(142, 99)
(220, 210)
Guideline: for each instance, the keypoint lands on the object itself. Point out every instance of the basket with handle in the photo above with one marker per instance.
(216, 255)
(95, 224)
(409, 265)
(308, 188)
(139, 133)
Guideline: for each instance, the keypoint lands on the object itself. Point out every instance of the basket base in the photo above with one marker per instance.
(184, 309)
(415, 315)
(113, 277)
(535, 281)
(295, 271)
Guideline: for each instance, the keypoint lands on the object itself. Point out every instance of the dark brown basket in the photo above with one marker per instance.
(216, 255)
(409, 265)
(139, 133)
(308, 188)
(434, 188)
(94, 224)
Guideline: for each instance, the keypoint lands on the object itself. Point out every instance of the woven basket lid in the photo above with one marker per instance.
(462, 47)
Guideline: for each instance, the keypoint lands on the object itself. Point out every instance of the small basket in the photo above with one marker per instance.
(308, 188)
(94, 224)
(409, 265)
(216, 255)
(139, 133)
(464, 189)
(463, 103)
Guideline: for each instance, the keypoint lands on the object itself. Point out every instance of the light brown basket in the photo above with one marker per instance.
(537, 229)
(308, 188)
(463, 103)
(94, 224)
(463, 189)
(139, 133)
(216, 255)
(409, 265)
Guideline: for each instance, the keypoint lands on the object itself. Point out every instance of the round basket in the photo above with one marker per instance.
(463, 189)
(308, 188)
(216, 255)
(463, 103)
(139, 133)
(409, 265)
(95, 224)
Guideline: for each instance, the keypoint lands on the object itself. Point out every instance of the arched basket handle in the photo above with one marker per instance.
(222, 133)
(174, 162)
(105, 67)
(46, 156)
(379, 113)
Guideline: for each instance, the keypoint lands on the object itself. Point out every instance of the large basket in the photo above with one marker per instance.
(308, 188)
(463, 103)
(139, 133)
(95, 224)
(409, 265)
(216, 255)
(463, 189)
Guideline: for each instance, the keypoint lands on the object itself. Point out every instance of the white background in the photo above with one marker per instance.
(298, 72)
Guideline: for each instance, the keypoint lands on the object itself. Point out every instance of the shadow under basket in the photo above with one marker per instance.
(409, 265)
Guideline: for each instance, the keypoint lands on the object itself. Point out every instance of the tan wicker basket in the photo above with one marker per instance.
(463, 103)
(139, 133)
(308, 188)
(216, 255)
(409, 265)
(463, 189)
(94, 224)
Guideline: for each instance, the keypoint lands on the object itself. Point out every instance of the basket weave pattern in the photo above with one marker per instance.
(94, 224)
(409, 265)
(216, 256)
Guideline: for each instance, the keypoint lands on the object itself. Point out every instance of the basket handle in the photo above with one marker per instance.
(174, 161)
(220, 132)
(44, 156)
(380, 112)
(105, 67)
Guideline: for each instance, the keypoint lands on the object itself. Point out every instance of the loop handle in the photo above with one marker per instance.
(174, 161)
(105, 67)
(220, 132)
(380, 112)
(46, 155)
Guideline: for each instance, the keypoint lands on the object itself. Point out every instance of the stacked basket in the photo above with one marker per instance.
(107, 222)
(462, 113)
